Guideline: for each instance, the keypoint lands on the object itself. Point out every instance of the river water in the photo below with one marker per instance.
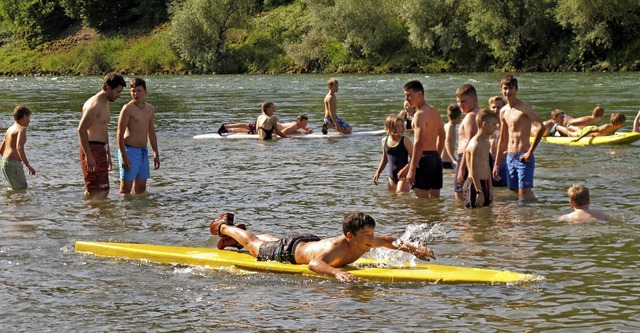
(291, 185)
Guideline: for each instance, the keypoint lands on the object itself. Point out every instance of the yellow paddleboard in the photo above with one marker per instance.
(366, 269)
(615, 139)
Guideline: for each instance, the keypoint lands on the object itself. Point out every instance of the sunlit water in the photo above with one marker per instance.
(292, 185)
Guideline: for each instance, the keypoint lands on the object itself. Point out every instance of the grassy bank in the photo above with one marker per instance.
(87, 53)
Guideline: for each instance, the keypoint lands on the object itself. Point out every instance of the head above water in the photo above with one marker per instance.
(557, 114)
(414, 85)
(579, 195)
(598, 111)
(618, 119)
(356, 221)
(484, 116)
(138, 82)
(332, 82)
(467, 90)
(113, 80)
(454, 112)
(21, 111)
(266, 105)
(510, 81)
(496, 103)
(390, 123)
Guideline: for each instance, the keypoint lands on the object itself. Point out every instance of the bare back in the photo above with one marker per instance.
(15, 134)
(341, 253)
(517, 120)
(138, 122)
(468, 128)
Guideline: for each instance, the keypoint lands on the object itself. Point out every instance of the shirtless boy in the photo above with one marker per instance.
(617, 121)
(93, 132)
(550, 127)
(407, 115)
(516, 119)
(596, 116)
(12, 150)
(478, 189)
(135, 128)
(323, 256)
(449, 158)
(468, 101)
(579, 200)
(496, 103)
(425, 169)
(267, 123)
(331, 119)
(300, 126)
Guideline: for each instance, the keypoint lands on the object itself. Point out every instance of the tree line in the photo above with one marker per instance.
(240, 36)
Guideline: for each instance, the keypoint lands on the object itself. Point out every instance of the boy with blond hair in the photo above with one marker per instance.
(478, 187)
(12, 150)
(467, 99)
(580, 200)
(617, 121)
(331, 119)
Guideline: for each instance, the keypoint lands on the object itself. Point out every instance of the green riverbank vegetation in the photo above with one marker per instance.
(88, 37)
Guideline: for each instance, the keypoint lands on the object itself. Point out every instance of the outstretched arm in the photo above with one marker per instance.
(393, 243)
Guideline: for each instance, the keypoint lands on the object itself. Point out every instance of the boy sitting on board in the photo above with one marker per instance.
(478, 191)
(617, 121)
(322, 255)
(579, 200)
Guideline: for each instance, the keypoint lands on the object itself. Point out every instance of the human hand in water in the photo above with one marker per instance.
(346, 277)
(424, 253)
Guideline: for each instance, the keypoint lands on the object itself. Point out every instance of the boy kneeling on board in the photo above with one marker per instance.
(322, 255)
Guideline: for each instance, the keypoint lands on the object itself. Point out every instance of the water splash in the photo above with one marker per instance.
(418, 235)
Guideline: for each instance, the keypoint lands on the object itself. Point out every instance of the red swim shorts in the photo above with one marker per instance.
(97, 181)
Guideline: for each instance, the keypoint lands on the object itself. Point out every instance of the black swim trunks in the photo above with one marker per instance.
(470, 193)
(429, 172)
(283, 250)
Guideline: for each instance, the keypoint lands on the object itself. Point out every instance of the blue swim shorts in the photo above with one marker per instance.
(519, 174)
(341, 122)
(139, 158)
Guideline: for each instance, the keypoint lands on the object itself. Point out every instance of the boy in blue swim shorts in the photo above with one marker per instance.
(516, 119)
(135, 128)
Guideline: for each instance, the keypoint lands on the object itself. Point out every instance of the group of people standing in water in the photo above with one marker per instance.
(495, 146)
(135, 130)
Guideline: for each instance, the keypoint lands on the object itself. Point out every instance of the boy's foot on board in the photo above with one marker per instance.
(324, 128)
(222, 129)
(227, 241)
(224, 218)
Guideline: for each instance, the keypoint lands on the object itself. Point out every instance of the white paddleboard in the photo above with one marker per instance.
(331, 134)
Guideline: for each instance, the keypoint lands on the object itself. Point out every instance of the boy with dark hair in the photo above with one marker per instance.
(449, 159)
(322, 255)
(516, 119)
(12, 149)
(93, 134)
(135, 128)
(425, 169)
